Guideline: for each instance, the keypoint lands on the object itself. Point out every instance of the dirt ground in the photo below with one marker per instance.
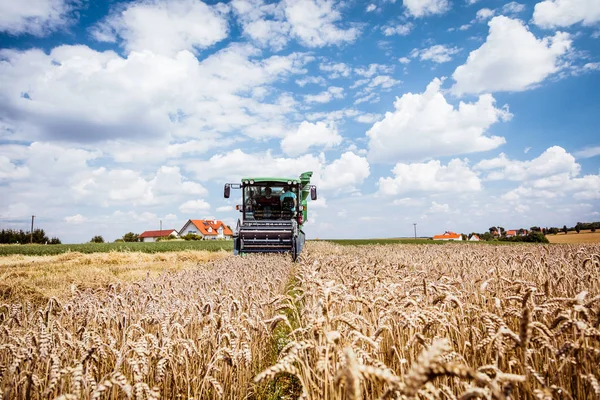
(574, 237)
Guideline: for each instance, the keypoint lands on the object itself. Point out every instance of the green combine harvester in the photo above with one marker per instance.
(273, 214)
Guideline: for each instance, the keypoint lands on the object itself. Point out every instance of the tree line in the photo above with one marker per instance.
(13, 236)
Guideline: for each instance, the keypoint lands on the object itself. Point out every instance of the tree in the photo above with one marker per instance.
(54, 240)
(565, 229)
(464, 237)
(521, 231)
(486, 236)
(593, 229)
(535, 229)
(130, 237)
(577, 228)
(97, 239)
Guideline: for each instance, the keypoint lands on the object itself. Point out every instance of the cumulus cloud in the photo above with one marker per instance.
(554, 160)
(35, 17)
(263, 23)
(335, 70)
(78, 94)
(484, 14)
(553, 174)
(511, 59)
(345, 173)
(75, 219)
(425, 125)
(399, 29)
(456, 177)
(164, 27)
(314, 23)
(423, 8)
(331, 93)
(374, 69)
(437, 53)
(10, 171)
(310, 135)
(438, 208)
(513, 8)
(194, 206)
(236, 163)
(563, 13)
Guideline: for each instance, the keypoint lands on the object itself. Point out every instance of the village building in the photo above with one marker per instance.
(211, 229)
(153, 236)
(448, 236)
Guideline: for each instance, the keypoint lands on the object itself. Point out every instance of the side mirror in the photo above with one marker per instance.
(313, 192)
(226, 191)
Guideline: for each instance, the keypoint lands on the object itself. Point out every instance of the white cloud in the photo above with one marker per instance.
(553, 174)
(310, 135)
(456, 177)
(373, 69)
(313, 23)
(75, 219)
(471, 2)
(371, 7)
(513, 8)
(367, 118)
(35, 17)
(234, 164)
(224, 208)
(10, 171)
(336, 70)
(553, 161)
(511, 59)
(426, 125)
(404, 60)
(484, 14)
(400, 29)
(438, 208)
(194, 206)
(317, 80)
(263, 23)
(422, 8)
(436, 53)
(331, 93)
(345, 173)
(588, 152)
(564, 13)
(164, 27)
(75, 89)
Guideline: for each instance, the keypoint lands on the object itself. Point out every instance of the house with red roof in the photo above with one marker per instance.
(474, 238)
(209, 229)
(153, 236)
(448, 236)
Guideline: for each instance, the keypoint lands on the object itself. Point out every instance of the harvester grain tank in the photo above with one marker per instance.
(274, 211)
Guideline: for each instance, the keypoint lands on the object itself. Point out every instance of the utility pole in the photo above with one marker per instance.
(415, 225)
(31, 233)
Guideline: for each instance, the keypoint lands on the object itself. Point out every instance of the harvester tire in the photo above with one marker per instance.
(294, 251)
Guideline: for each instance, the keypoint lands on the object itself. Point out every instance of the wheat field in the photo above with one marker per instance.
(347, 322)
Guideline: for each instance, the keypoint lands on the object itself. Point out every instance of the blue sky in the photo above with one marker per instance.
(455, 115)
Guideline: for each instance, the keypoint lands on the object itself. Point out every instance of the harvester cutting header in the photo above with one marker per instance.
(274, 211)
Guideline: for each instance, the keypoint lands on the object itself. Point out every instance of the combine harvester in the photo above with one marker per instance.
(273, 214)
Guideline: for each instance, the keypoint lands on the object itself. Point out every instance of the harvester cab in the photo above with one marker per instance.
(273, 214)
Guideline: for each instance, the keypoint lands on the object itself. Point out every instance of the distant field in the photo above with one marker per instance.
(363, 242)
(37, 278)
(87, 248)
(574, 237)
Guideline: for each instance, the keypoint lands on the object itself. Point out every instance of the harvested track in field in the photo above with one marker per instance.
(395, 321)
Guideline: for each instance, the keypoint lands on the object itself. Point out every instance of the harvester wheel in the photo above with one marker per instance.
(294, 251)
